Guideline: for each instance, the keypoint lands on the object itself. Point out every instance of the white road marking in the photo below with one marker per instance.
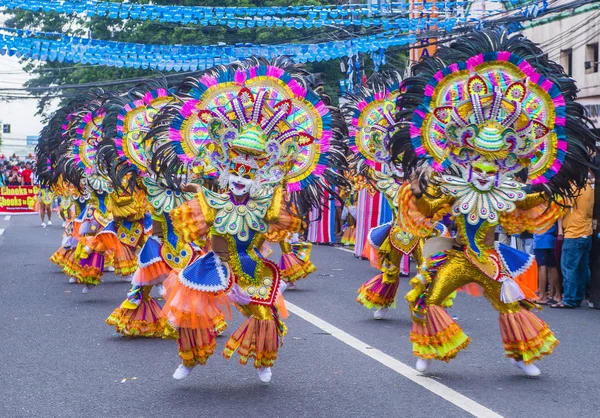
(459, 400)
(2, 231)
(7, 218)
(345, 249)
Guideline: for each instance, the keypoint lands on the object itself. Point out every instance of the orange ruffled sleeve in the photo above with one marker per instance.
(280, 219)
(533, 215)
(192, 220)
(419, 216)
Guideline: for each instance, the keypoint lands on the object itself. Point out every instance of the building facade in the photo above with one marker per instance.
(573, 41)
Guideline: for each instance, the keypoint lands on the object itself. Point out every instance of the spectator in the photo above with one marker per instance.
(524, 241)
(14, 179)
(503, 237)
(577, 245)
(26, 175)
(543, 248)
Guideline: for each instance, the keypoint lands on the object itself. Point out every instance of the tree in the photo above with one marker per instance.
(46, 74)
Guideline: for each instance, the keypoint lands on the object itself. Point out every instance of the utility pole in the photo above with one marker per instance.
(595, 255)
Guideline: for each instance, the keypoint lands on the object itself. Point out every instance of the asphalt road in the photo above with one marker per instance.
(59, 358)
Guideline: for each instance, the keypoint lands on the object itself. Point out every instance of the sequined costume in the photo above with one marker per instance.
(483, 112)
(370, 117)
(139, 206)
(257, 126)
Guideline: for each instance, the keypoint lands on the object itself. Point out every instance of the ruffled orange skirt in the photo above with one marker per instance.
(144, 321)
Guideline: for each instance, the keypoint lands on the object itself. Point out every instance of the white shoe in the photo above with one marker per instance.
(380, 313)
(49, 223)
(72, 280)
(422, 365)
(291, 286)
(265, 374)
(182, 372)
(128, 279)
(86, 289)
(160, 289)
(110, 268)
(529, 369)
(64, 224)
(43, 224)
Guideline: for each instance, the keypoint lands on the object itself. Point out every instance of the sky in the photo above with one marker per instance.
(19, 114)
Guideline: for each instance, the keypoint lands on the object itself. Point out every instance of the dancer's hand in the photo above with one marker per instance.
(191, 188)
(238, 296)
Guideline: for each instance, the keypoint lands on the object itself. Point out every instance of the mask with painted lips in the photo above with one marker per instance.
(239, 186)
(483, 176)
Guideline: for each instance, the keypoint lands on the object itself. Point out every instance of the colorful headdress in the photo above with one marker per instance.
(370, 115)
(67, 134)
(126, 149)
(494, 97)
(133, 123)
(82, 150)
(128, 120)
(51, 144)
(262, 116)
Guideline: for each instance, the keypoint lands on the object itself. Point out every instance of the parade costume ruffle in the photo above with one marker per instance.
(61, 256)
(195, 345)
(186, 307)
(255, 338)
(525, 336)
(90, 269)
(380, 291)
(125, 260)
(349, 236)
(439, 338)
(377, 293)
(151, 274)
(141, 319)
(71, 265)
(295, 261)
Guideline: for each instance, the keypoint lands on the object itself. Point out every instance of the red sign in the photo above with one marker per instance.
(18, 199)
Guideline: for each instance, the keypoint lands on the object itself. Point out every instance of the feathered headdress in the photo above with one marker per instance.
(260, 118)
(83, 133)
(127, 122)
(370, 116)
(491, 96)
(51, 143)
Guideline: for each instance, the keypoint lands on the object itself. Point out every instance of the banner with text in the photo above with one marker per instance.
(18, 199)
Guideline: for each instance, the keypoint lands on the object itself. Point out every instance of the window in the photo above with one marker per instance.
(591, 58)
(6, 128)
(566, 60)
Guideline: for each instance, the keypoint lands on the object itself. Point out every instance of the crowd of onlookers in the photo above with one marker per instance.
(16, 173)
(563, 253)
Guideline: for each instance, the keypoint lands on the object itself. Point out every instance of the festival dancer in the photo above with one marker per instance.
(481, 110)
(83, 134)
(49, 175)
(259, 126)
(128, 121)
(45, 199)
(370, 117)
(349, 218)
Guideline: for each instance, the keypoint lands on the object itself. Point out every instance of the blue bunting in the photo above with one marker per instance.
(388, 16)
(34, 45)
